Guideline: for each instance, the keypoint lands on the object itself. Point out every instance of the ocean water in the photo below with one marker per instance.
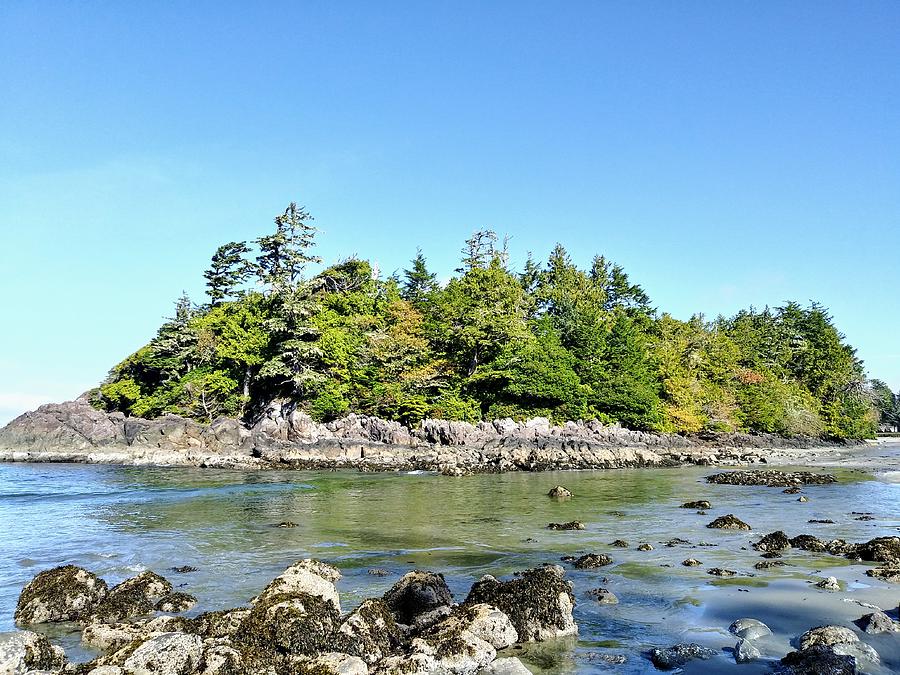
(117, 521)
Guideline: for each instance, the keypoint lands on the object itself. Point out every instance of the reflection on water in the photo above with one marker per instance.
(120, 520)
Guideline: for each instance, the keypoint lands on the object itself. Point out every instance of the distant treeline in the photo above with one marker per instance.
(547, 340)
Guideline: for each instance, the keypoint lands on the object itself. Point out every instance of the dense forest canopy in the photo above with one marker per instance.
(549, 340)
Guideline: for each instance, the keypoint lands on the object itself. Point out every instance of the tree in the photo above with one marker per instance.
(284, 254)
(419, 283)
(228, 269)
(481, 250)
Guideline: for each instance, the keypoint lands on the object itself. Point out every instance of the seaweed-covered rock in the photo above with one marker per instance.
(24, 651)
(891, 574)
(591, 561)
(728, 522)
(110, 636)
(223, 623)
(721, 572)
(807, 542)
(826, 635)
(619, 543)
(645, 547)
(64, 593)
(483, 621)
(133, 597)
(369, 632)
(291, 623)
(415, 593)
(774, 541)
(331, 663)
(175, 603)
(817, 660)
(771, 478)
(539, 602)
(691, 562)
(878, 622)
(571, 525)
(749, 629)
(559, 492)
(669, 658)
(167, 654)
(884, 550)
(699, 505)
(769, 564)
(305, 577)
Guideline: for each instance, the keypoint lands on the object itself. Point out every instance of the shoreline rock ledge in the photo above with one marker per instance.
(285, 437)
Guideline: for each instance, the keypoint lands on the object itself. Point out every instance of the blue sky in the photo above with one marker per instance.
(727, 154)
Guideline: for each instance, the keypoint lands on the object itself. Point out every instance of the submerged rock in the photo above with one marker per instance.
(745, 652)
(619, 543)
(691, 562)
(807, 542)
(66, 593)
(676, 656)
(645, 547)
(539, 602)
(571, 525)
(133, 597)
(749, 629)
(769, 564)
(591, 561)
(771, 478)
(728, 522)
(775, 541)
(559, 492)
(699, 505)
(603, 596)
(24, 651)
(505, 666)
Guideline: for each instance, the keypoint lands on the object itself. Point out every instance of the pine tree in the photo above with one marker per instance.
(228, 269)
(284, 254)
(481, 249)
(419, 281)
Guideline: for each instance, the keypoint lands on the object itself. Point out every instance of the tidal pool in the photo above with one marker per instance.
(118, 521)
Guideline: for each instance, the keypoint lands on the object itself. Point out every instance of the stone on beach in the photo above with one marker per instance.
(64, 593)
(728, 522)
(416, 593)
(749, 629)
(669, 658)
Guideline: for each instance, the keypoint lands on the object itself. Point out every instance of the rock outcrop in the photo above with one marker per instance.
(285, 436)
(294, 627)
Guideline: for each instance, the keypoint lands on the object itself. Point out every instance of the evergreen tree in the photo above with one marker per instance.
(228, 269)
(419, 283)
(284, 254)
(481, 249)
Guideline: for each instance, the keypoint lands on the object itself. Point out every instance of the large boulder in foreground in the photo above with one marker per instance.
(818, 660)
(293, 623)
(417, 593)
(306, 577)
(539, 602)
(167, 654)
(369, 632)
(24, 651)
(136, 596)
(66, 593)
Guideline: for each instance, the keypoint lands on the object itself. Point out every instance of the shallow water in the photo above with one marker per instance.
(118, 521)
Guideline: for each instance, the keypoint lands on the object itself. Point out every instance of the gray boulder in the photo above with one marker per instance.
(749, 629)
(24, 651)
(416, 593)
(166, 654)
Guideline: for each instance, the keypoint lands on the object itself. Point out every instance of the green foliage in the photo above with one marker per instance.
(553, 340)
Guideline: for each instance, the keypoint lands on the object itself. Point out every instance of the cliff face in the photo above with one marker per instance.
(285, 437)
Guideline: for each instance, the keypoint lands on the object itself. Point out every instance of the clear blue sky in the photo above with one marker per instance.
(726, 154)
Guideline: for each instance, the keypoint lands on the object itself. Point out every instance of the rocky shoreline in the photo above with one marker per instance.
(287, 438)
